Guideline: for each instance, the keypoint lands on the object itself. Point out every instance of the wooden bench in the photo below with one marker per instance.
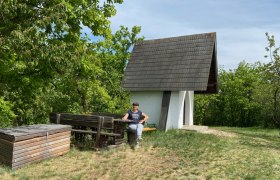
(149, 129)
(131, 136)
(115, 116)
(100, 127)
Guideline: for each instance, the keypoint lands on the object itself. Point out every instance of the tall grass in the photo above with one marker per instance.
(177, 154)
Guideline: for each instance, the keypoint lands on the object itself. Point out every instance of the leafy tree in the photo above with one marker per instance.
(235, 104)
(271, 76)
(6, 114)
(202, 105)
(47, 64)
(248, 95)
(115, 52)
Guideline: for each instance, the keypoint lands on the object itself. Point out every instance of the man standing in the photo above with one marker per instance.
(135, 115)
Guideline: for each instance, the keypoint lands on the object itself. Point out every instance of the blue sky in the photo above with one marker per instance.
(240, 24)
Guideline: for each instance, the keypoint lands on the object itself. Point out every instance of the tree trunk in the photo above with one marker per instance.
(83, 100)
(275, 109)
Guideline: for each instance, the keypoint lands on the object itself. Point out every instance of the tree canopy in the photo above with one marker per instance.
(248, 95)
(49, 64)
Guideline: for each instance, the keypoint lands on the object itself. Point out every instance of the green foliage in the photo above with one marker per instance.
(248, 95)
(235, 104)
(48, 65)
(6, 114)
(271, 77)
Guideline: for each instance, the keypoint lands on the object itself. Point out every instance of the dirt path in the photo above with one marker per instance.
(218, 133)
(207, 130)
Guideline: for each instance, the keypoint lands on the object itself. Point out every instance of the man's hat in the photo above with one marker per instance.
(135, 104)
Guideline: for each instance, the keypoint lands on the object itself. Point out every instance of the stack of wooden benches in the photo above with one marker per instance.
(106, 128)
(100, 127)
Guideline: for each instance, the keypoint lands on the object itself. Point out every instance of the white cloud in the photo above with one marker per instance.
(240, 25)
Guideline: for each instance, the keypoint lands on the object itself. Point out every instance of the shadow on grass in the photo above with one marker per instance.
(86, 144)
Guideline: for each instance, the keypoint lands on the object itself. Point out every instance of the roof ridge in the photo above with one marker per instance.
(181, 36)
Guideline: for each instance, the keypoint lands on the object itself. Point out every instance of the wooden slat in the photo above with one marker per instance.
(95, 132)
(41, 149)
(31, 148)
(82, 117)
(28, 162)
(40, 157)
(109, 134)
(39, 139)
(100, 122)
(149, 129)
(115, 116)
(84, 131)
(46, 152)
(21, 138)
(81, 120)
(80, 123)
(21, 145)
(43, 145)
(28, 132)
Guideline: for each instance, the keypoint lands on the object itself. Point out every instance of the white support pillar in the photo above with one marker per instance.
(182, 95)
(189, 108)
(176, 110)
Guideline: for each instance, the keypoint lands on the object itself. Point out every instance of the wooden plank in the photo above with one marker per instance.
(100, 122)
(149, 129)
(115, 116)
(95, 132)
(41, 157)
(53, 155)
(39, 143)
(41, 149)
(21, 138)
(83, 120)
(80, 123)
(109, 134)
(38, 155)
(32, 150)
(82, 117)
(43, 145)
(41, 139)
(27, 132)
(57, 135)
(84, 131)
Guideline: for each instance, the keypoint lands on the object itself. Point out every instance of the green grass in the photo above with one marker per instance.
(253, 153)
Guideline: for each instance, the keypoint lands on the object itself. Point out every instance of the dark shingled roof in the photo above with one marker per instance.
(173, 64)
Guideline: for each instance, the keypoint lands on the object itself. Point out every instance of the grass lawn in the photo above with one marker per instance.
(248, 153)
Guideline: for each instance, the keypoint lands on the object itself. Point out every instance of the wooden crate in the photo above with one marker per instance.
(25, 144)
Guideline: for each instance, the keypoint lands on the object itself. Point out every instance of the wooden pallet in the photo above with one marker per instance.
(22, 145)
